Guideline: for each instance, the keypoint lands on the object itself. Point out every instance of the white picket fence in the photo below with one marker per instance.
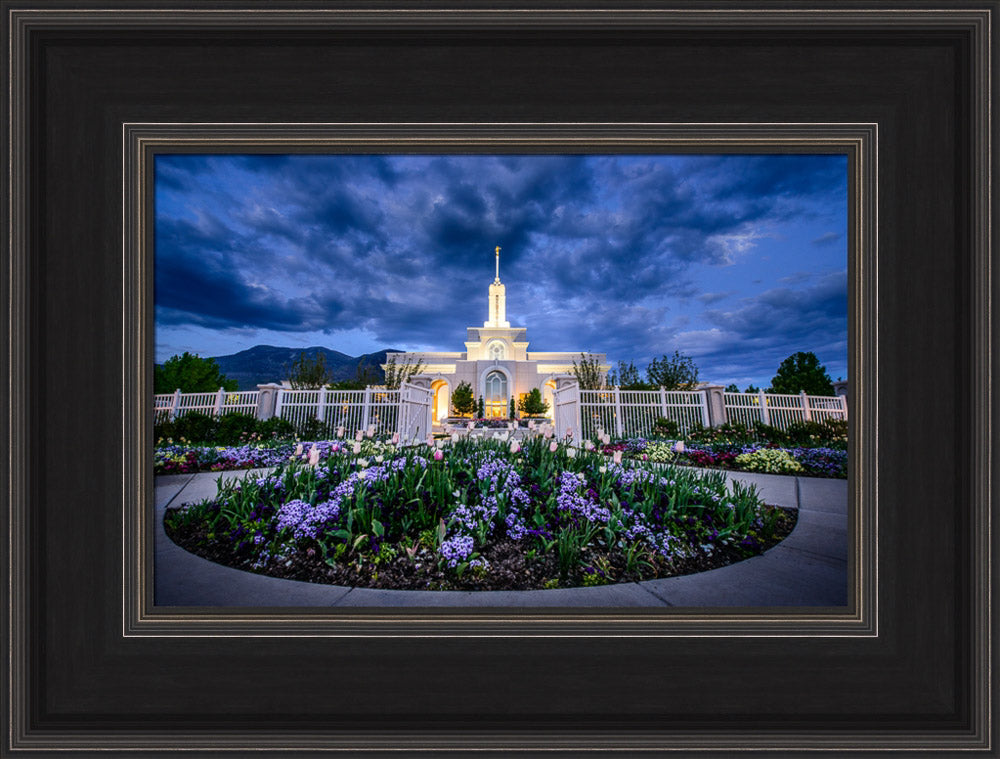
(177, 404)
(621, 413)
(632, 413)
(782, 410)
(351, 409)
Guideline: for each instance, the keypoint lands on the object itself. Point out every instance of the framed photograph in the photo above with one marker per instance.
(162, 160)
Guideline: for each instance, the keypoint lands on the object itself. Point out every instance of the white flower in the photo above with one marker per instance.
(440, 444)
(298, 449)
(602, 469)
(514, 446)
(378, 459)
(356, 449)
(571, 453)
(679, 446)
(362, 463)
(454, 437)
(588, 445)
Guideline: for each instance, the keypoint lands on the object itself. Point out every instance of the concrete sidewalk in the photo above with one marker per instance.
(809, 568)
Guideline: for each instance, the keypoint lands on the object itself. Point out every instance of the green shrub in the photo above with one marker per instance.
(830, 433)
(195, 427)
(233, 429)
(769, 460)
(275, 428)
(666, 427)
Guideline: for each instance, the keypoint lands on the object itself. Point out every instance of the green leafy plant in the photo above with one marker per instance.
(190, 373)
(770, 460)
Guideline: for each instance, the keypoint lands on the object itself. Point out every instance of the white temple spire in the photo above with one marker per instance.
(498, 301)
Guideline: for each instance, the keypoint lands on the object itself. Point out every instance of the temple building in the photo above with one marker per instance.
(496, 362)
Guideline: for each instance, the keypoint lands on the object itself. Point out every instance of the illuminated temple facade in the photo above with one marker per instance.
(496, 362)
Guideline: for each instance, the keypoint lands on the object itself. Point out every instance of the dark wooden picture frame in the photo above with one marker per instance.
(91, 666)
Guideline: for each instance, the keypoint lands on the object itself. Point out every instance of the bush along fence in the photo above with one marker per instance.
(638, 413)
(316, 412)
(407, 411)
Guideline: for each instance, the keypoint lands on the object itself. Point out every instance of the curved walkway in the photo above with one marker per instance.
(808, 568)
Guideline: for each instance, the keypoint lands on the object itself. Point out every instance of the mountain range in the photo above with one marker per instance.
(268, 363)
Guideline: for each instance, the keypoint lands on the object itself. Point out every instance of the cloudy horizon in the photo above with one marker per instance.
(735, 260)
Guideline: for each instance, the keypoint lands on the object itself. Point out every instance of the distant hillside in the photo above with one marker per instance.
(267, 363)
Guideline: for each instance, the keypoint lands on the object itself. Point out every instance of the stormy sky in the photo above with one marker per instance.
(735, 260)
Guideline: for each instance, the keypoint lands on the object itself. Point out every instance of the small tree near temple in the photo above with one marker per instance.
(676, 372)
(397, 374)
(482, 407)
(588, 373)
(510, 411)
(462, 400)
(532, 404)
(190, 373)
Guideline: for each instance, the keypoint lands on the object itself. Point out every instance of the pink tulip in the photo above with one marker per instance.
(430, 441)
(588, 445)
(395, 438)
(470, 425)
(359, 436)
(298, 449)
(617, 457)
(679, 446)
(514, 446)
(340, 432)
(438, 455)
(553, 446)
(313, 456)
(357, 448)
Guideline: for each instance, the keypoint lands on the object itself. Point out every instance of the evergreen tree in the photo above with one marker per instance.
(510, 412)
(190, 374)
(731, 388)
(532, 404)
(482, 407)
(462, 400)
(801, 372)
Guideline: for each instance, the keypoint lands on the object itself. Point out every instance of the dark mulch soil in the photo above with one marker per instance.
(510, 566)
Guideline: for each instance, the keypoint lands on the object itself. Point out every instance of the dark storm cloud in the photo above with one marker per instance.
(402, 246)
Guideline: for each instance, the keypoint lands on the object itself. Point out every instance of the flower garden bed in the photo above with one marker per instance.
(475, 515)
(768, 458)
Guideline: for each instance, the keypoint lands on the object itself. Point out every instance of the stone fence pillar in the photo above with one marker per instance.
(267, 398)
(716, 404)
